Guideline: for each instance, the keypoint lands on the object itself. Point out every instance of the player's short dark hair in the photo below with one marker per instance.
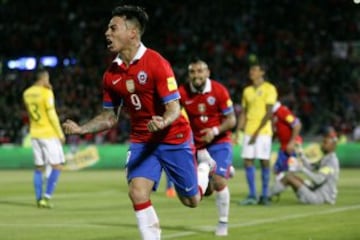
(39, 72)
(132, 13)
(195, 59)
(263, 66)
(330, 132)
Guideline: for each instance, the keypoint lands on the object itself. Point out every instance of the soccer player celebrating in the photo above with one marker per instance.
(323, 177)
(46, 136)
(142, 81)
(257, 102)
(211, 114)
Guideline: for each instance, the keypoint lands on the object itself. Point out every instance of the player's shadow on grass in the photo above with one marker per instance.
(14, 203)
(96, 208)
(113, 238)
(273, 202)
(163, 227)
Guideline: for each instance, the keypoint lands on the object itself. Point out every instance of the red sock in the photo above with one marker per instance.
(141, 206)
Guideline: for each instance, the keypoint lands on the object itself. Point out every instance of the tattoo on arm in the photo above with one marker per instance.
(172, 112)
(104, 121)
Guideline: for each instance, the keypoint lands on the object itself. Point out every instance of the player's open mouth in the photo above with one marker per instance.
(109, 42)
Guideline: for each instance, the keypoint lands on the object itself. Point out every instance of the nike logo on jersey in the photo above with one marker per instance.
(114, 82)
(188, 102)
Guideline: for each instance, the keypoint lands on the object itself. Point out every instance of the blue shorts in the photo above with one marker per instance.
(178, 161)
(281, 164)
(222, 153)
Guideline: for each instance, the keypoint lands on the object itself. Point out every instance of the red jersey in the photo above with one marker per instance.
(143, 89)
(206, 109)
(284, 120)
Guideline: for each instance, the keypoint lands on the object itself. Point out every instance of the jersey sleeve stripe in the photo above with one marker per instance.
(228, 110)
(327, 170)
(171, 97)
(295, 122)
(108, 105)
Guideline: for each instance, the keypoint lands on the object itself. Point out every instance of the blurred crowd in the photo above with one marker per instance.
(295, 38)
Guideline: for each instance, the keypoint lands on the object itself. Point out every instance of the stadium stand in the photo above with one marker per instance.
(312, 49)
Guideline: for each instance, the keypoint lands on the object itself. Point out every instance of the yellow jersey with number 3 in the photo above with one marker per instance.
(254, 101)
(40, 105)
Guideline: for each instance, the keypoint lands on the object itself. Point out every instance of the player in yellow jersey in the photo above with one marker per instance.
(255, 120)
(46, 135)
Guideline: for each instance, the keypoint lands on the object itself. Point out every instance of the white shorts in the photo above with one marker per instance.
(47, 151)
(261, 149)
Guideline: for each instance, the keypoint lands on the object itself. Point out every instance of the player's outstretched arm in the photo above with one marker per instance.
(105, 120)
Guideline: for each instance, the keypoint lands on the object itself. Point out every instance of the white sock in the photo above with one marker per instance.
(148, 223)
(223, 204)
(203, 176)
(277, 188)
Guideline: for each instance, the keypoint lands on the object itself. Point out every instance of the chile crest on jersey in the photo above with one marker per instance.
(211, 100)
(142, 78)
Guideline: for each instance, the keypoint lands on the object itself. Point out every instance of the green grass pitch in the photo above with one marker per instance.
(93, 205)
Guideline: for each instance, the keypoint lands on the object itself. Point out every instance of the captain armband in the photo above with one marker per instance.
(326, 170)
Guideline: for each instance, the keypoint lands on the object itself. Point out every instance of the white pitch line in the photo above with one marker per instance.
(65, 195)
(50, 225)
(259, 222)
(183, 233)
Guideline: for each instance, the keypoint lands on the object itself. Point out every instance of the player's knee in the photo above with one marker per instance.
(289, 175)
(265, 163)
(40, 168)
(57, 166)
(248, 162)
(138, 195)
(191, 202)
(219, 183)
(220, 187)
